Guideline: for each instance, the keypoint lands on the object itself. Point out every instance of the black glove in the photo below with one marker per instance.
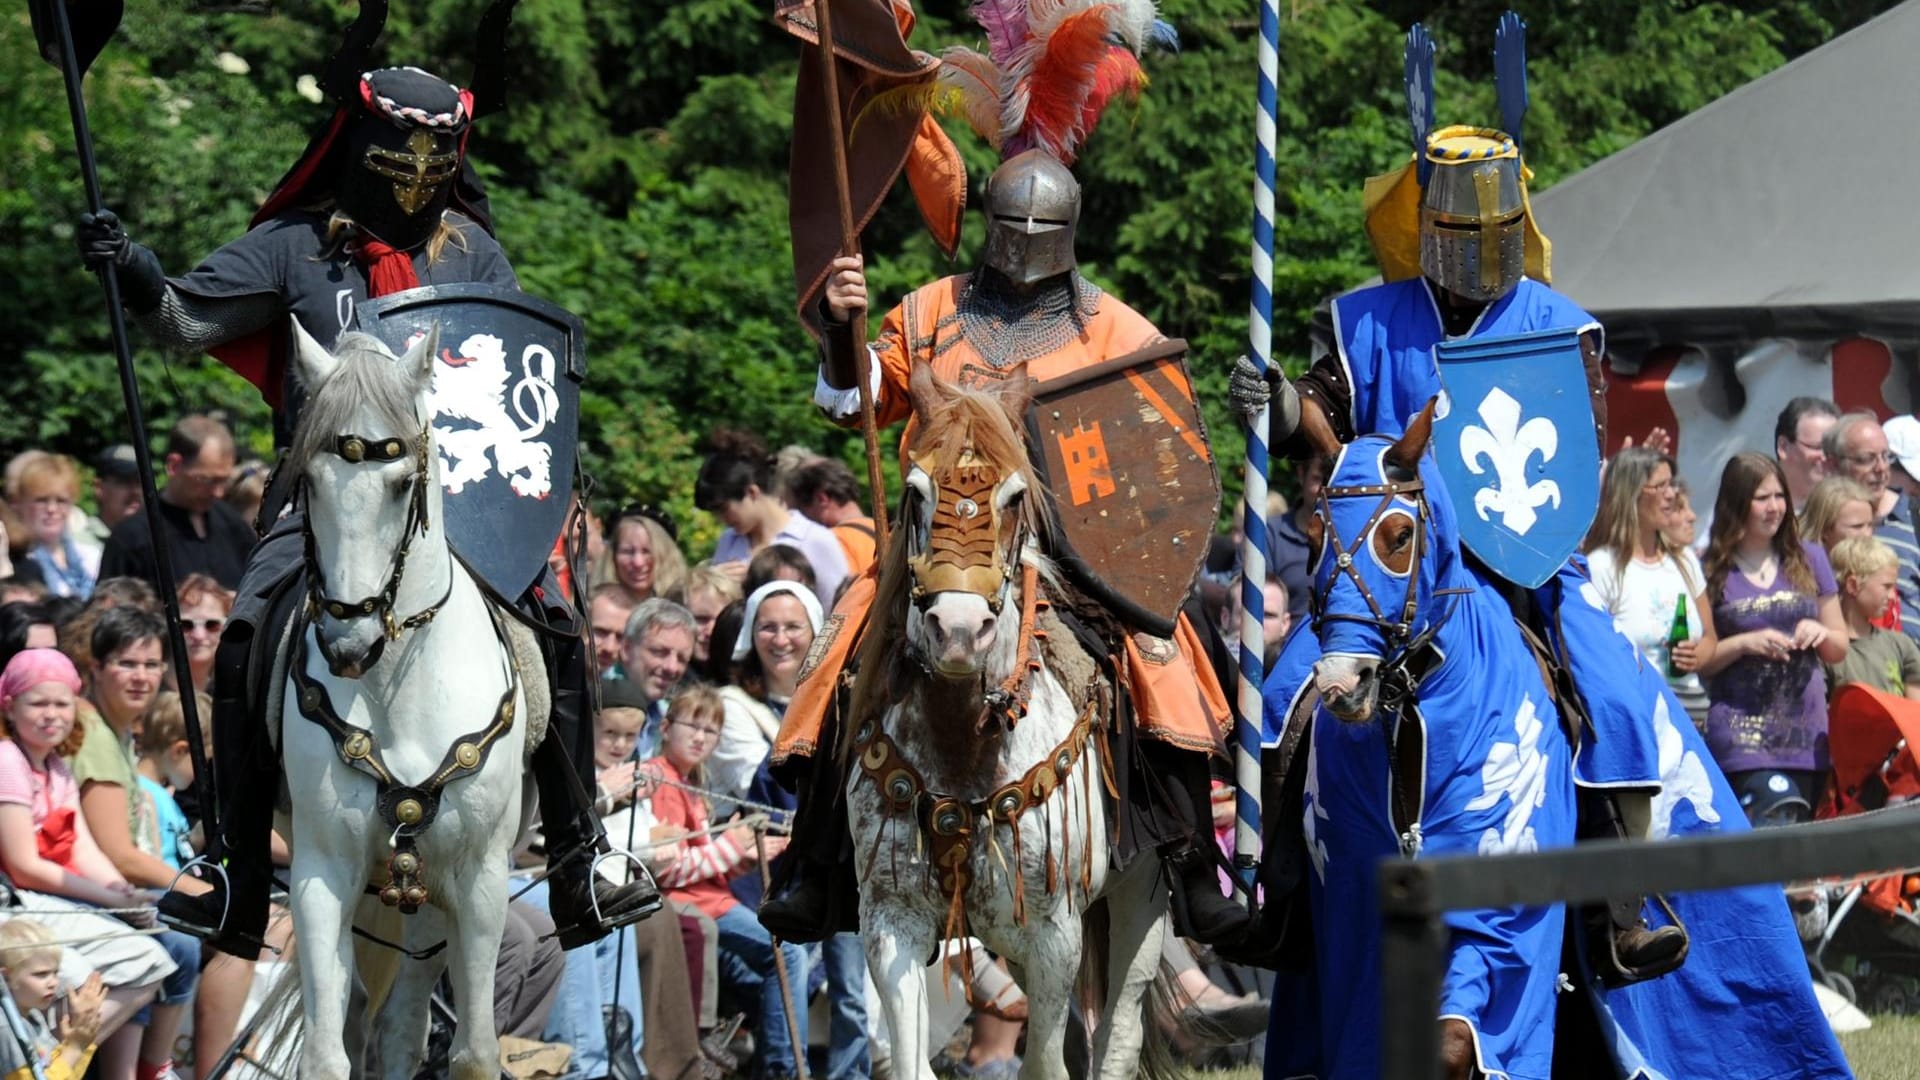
(104, 243)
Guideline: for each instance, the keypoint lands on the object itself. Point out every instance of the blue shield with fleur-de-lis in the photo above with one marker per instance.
(1513, 434)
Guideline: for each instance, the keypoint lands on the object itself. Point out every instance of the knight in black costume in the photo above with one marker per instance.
(382, 200)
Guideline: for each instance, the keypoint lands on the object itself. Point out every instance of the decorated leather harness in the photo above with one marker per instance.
(964, 554)
(406, 809)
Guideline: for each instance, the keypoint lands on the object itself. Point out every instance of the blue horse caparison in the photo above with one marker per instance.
(1493, 771)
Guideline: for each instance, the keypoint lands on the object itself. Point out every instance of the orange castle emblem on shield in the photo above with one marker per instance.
(1089, 476)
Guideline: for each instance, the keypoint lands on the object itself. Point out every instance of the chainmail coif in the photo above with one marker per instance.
(1009, 326)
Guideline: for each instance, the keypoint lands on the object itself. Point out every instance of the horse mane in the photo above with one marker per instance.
(958, 420)
(368, 376)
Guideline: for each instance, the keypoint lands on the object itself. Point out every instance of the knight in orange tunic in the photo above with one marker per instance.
(1026, 308)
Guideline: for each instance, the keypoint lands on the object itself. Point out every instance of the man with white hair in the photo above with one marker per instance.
(1856, 446)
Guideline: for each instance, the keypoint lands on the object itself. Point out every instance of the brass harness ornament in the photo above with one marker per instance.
(406, 809)
(950, 824)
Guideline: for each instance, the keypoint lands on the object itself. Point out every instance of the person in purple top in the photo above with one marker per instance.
(1778, 613)
(735, 485)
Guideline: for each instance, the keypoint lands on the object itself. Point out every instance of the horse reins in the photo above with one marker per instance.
(355, 449)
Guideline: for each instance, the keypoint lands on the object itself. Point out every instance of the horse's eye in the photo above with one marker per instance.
(1403, 541)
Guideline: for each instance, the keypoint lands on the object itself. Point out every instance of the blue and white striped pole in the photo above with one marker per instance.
(1253, 546)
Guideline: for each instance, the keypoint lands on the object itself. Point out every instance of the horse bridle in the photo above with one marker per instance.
(1399, 632)
(355, 449)
(957, 570)
(1405, 647)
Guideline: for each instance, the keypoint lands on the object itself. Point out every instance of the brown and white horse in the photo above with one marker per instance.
(976, 798)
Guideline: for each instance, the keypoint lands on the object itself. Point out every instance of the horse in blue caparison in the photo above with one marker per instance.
(1436, 735)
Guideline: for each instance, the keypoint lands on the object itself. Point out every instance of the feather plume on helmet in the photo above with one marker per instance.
(1050, 69)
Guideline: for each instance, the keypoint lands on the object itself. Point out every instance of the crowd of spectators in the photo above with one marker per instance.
(697, 660)
(1804, 578)
(1797, 574)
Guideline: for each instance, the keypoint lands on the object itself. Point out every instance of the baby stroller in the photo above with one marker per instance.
(1863, 933)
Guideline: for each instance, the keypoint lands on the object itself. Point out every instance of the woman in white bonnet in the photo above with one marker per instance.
(776, 632)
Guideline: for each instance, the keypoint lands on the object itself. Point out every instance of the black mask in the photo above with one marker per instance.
(403, 156)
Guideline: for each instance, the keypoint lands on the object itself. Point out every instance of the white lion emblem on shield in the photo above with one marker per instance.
(470, 384)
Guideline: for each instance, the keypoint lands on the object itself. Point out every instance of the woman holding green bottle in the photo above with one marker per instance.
(1655, 588)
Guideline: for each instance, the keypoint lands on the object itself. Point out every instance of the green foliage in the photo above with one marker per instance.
(639, 179)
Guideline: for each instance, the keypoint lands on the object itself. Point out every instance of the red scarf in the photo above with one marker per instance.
(1890, 618)
(388, 270)
(56, 837)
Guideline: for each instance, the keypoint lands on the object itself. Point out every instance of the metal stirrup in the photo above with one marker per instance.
(593, 897)
(226, 898)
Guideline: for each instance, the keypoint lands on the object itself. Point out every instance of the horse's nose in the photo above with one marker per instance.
(961, 628)
(349, 648)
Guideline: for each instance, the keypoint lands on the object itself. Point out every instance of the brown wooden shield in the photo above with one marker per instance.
(1123, 449)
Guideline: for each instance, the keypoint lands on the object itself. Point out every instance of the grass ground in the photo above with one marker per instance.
(1890, 1050)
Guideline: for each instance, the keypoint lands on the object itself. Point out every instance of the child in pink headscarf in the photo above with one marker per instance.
(51, 857)
(44, 842)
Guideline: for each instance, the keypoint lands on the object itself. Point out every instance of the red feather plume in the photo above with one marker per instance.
(1119, 74)
(1061, 83)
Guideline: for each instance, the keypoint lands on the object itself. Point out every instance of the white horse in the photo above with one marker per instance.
(975, 800)
(404, 725)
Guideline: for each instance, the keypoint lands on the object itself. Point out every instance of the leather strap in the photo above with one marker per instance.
(407, 809)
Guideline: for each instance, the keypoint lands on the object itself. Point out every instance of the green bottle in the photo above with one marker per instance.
(1676, 634)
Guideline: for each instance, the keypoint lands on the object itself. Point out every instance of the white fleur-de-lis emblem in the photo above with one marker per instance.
(1517, 770)
(1683, 776)
(1508, 445)
(1314, 812)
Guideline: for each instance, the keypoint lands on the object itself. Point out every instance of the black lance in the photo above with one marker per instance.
(71, 46)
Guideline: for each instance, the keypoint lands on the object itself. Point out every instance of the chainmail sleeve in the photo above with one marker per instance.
(191, 323)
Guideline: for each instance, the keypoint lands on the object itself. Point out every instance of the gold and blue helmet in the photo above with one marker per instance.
(1457, 212)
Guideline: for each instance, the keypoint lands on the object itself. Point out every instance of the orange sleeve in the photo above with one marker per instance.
(896, 363)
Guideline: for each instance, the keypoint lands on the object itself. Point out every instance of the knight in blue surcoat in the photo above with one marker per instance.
(1462, 260)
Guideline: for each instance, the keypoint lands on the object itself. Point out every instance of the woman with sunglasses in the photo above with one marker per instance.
(203, 615)
(1644, 578)
(42, 488)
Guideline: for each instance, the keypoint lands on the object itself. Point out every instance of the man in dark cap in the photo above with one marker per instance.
(116, 487)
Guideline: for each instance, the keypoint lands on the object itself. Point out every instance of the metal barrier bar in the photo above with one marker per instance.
(1415, 893)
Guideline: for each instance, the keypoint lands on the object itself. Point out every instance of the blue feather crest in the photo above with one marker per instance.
(1162, 35)
(1510, 74)
(1419, 80)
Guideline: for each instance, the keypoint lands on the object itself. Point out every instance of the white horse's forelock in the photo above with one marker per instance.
(369, 377)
